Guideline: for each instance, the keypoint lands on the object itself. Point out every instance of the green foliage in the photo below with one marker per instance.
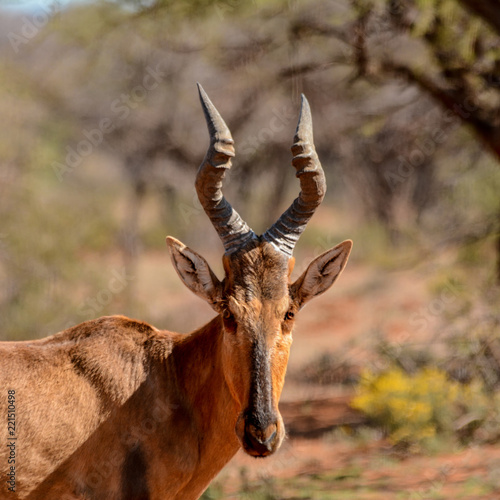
(455, 35)
(425, 18)
(214, 492)
(47, 225)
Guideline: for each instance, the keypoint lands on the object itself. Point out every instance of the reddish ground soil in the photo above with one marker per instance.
(371, 469)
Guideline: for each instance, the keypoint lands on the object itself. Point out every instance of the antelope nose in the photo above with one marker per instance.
(261, 440)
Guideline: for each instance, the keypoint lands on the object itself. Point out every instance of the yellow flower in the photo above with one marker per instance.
(412, 408)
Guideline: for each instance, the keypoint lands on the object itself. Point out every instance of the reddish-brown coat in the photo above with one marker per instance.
(114, 407)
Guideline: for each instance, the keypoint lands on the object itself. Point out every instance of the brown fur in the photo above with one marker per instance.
(114, 409)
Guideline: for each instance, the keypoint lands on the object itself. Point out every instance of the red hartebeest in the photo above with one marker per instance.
(115, 409)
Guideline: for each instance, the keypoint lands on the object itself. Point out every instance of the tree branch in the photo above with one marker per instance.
(487, 10)
(459, 102)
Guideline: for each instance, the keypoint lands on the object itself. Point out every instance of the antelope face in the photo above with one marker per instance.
(256, 300)
(258, 305)
(258, 315)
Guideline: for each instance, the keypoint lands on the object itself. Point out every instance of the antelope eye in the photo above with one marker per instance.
(289, 315)
(227, 314)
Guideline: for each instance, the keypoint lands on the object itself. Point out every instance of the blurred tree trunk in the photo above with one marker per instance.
(457, 88)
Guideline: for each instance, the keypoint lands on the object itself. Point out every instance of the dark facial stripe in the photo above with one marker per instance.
(134, 482)
(260, 411)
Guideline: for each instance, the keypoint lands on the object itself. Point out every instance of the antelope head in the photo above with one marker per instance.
(256, 301)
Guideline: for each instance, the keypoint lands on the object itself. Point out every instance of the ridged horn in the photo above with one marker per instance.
(286, 231)
(232, 229)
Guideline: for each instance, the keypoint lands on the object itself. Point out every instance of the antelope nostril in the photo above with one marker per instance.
(270, 439)
(262, 436)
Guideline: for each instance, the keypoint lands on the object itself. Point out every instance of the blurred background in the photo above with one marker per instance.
(102, 134)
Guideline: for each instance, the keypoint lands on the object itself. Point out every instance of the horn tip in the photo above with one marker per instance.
(304, 125)
(201, 91)
(305, 108)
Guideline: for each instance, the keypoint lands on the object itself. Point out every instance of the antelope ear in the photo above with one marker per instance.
(321, 273)
(195, 272)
